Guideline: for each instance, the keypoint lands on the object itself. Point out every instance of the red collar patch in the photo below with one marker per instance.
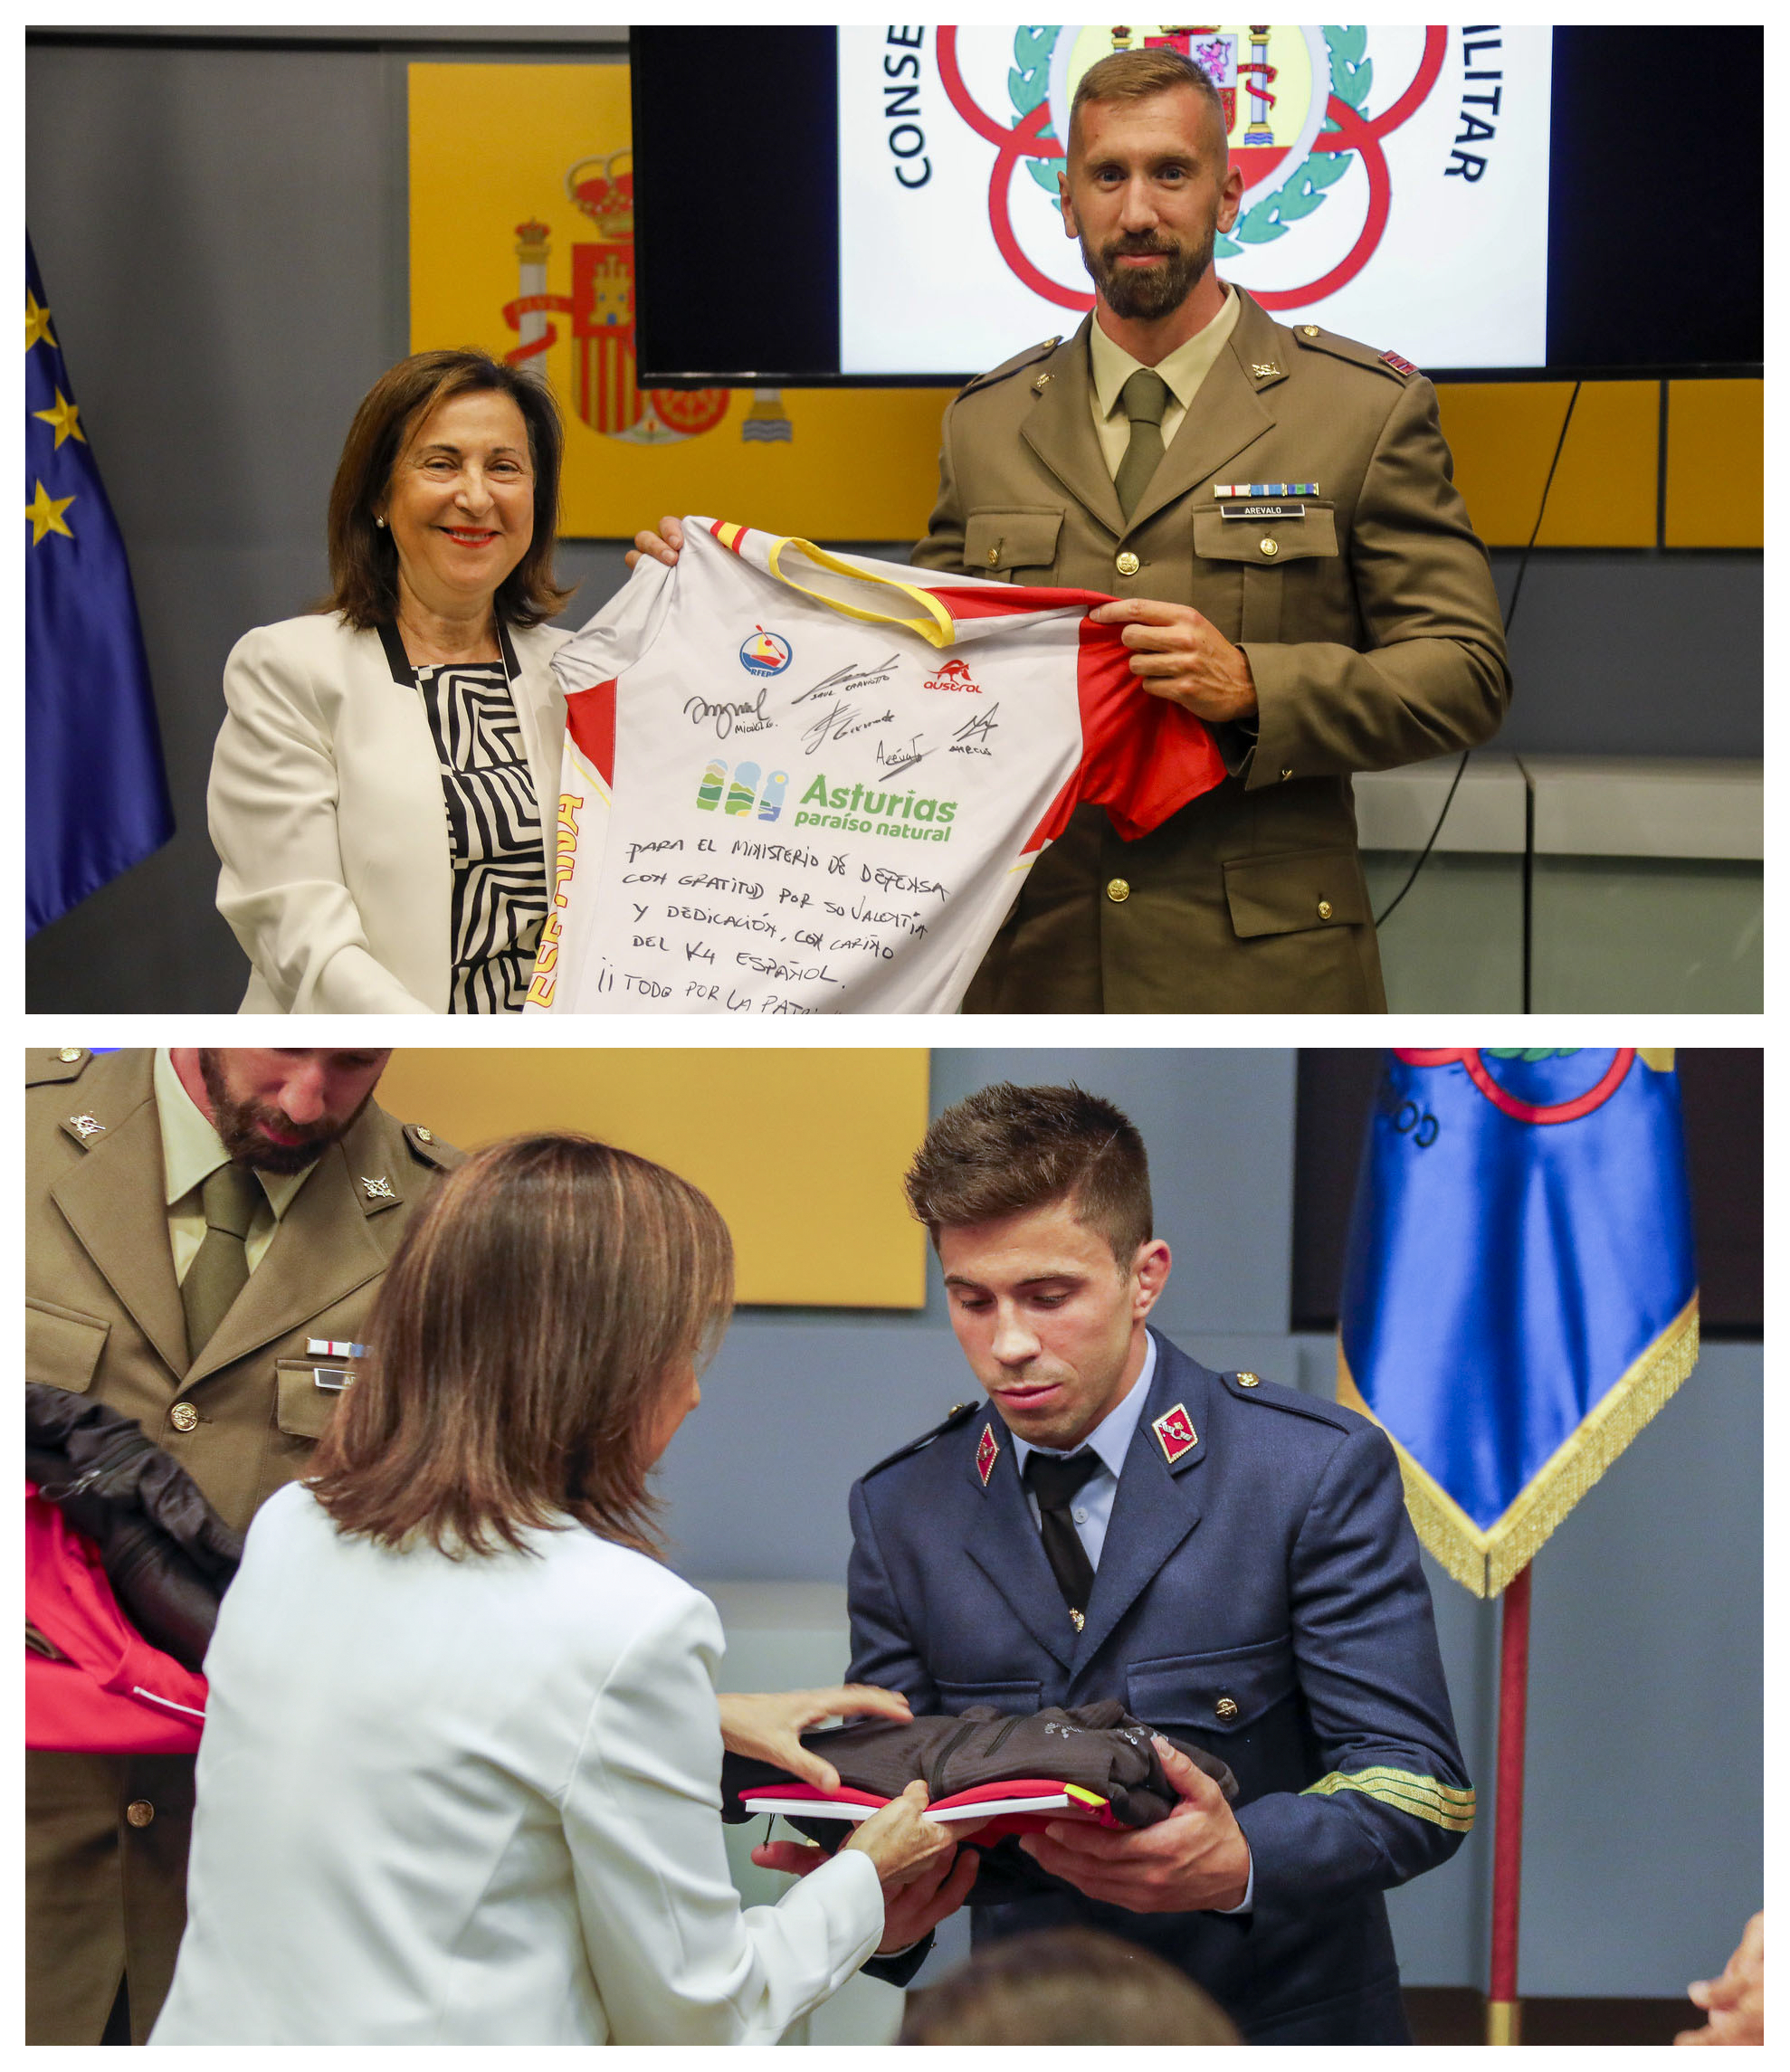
(986, 1451)
(1175, 1434)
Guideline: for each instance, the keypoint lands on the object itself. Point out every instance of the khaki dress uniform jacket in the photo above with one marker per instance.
(106, 1836)
(1371, 625)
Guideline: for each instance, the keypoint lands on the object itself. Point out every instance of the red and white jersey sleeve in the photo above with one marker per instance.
(797, 782)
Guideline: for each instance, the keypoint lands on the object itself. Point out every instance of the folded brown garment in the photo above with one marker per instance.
(1100, 1747)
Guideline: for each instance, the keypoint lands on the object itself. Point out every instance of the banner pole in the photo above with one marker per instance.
(1503, 2011)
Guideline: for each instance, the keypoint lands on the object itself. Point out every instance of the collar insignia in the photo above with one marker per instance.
(985, 1452)
(1175, 1434)
(87, 1125)
(1265, 370)
(379, 1190)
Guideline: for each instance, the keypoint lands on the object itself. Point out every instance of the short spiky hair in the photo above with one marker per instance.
(1008, 1149)
(1136, 75)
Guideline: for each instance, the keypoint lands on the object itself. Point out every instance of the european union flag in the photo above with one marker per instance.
(96, 792)
(1521, 1289)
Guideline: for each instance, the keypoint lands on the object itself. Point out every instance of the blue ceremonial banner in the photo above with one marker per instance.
(96, 794)
(1521, 1289)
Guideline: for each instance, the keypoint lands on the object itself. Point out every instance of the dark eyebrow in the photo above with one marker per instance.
(1032, 1280)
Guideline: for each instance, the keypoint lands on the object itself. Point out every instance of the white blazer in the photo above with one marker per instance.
(327, 815)
(479, 1801)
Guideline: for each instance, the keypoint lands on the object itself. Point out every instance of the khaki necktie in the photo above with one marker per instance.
(231, 1196)
(1144, 398)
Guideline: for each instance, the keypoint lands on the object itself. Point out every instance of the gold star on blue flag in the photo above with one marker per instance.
(96, 792)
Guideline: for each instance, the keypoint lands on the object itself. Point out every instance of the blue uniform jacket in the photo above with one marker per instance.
(1262, 1595)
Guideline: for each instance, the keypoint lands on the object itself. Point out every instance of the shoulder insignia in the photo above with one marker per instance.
(1017, 365)
(1315, 338)
(55, 1068)
(1248, 1387)
(960, 1412)
(428, 1149)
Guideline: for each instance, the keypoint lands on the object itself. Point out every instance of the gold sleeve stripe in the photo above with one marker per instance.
(1446, 1805)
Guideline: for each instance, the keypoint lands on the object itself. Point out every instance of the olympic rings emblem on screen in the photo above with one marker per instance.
(1297, 100)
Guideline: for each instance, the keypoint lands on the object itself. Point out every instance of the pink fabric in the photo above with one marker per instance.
(116, 1695)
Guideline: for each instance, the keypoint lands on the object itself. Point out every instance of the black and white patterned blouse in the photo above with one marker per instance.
(494, 828)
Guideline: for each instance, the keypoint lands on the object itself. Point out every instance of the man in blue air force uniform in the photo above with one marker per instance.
(1230, 1558)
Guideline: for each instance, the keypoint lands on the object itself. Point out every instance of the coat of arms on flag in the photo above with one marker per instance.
(1521, 1290)
(525, 247)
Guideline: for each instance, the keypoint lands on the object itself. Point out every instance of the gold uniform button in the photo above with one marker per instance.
(69, 1057)
(425, 1135)
(1310, 330)
(1271, 547)
(1118, 891)
(1128, 563)
(139, 1813)
(1226, 1708)
(1324, 909)
(182, 1416)
(993, 557)
(1246, 1380)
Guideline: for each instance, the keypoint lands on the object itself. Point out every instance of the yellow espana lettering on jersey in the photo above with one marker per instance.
(565, 854)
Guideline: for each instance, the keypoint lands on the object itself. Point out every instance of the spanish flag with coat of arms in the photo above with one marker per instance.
(1520, 1296)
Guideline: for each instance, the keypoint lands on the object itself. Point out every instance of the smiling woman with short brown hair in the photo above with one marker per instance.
(376, 791)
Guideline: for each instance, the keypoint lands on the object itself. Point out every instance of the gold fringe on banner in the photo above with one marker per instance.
(1484, 1561)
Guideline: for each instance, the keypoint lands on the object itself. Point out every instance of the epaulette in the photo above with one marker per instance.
(428, 1149)
(1017, 365)
(1316, 339)
(959, 1411)
(55, 1068)
(1247, 1387)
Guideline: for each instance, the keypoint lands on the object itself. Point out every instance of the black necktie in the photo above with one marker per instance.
(1056, 1484)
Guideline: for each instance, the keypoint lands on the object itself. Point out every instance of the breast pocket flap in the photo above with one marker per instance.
(305, 1404)
(1210, 1694)
(998, 541)
(61, 1347)
(1268, 542)
(1306, 888)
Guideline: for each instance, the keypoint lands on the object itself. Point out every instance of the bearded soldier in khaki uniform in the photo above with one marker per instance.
(1274, 509)
(205, 1233)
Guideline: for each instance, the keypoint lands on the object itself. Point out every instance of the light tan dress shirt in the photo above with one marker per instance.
(192, 1151)
(1184, 370)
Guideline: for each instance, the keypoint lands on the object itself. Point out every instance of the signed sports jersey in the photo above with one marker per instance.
(802, 783)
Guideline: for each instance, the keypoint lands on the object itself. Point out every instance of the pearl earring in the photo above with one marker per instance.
(380, 523)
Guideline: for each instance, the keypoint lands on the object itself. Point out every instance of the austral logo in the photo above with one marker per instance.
(739, 791)
(765, 654)
(954, 675)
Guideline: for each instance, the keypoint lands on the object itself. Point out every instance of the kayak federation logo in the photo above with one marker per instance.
(765, 654)
(1541, 1086)
(1297, 102)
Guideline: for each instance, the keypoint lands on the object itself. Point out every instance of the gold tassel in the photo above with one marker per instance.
(1484, 1561)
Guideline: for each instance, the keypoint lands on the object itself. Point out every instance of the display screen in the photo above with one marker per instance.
(879, 203)
(1403, 236)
